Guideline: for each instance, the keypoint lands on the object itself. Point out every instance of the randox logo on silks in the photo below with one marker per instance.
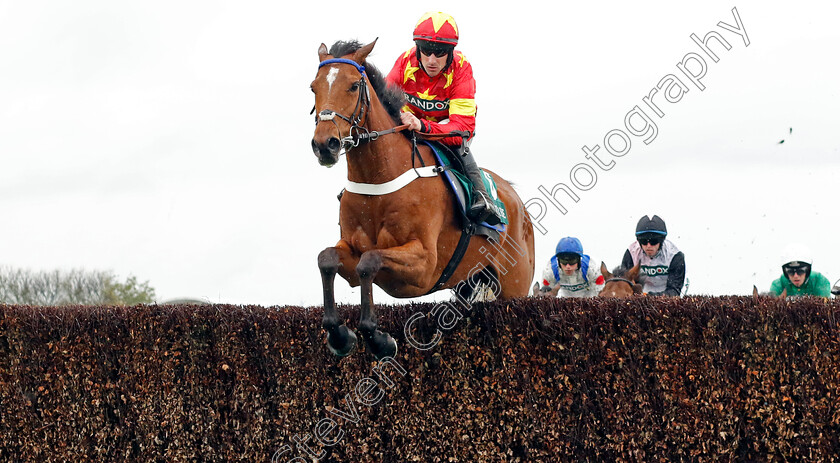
(654, 270)
(427, 105)
(573, 288)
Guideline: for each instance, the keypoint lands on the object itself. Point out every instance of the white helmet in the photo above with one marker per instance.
(796, 254)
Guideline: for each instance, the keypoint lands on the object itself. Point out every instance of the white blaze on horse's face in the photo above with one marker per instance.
(331, 77)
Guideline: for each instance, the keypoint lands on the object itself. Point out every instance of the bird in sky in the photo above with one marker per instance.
(789, 132)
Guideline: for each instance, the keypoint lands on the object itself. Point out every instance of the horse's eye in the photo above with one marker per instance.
(355, 87)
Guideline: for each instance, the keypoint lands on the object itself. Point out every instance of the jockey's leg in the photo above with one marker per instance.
(480, 210)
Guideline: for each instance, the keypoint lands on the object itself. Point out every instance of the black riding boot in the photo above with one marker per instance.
(482, 208)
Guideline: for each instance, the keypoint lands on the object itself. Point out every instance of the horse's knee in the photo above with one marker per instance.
(328, 261)
(369, 264)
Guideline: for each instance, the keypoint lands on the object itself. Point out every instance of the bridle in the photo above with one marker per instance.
(625, 280)
(358, 133)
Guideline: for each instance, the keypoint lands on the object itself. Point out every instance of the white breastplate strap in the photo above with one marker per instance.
(378, 189)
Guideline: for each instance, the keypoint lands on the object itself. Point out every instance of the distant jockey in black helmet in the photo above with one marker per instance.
(662, 265)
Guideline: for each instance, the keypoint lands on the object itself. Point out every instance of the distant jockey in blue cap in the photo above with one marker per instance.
(571, 273)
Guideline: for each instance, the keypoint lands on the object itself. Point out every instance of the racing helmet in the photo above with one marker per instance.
(651, 225)
(569, 246)
(797, 255)
(438, 27)
(436, 31)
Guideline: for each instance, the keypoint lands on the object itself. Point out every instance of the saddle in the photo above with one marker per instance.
(461, 188)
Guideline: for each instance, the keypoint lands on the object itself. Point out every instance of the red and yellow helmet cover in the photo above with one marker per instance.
(435, 26)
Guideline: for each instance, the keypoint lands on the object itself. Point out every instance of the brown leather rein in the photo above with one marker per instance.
(367, 136)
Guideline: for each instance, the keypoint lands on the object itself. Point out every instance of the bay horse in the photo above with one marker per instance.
(401, 238)
(621, 282)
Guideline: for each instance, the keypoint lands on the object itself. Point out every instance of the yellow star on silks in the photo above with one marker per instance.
(448, 79)
(409, 73)
(425, 95)
(438, 20)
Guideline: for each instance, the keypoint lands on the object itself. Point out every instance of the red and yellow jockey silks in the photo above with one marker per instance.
(448, 97)
(435, 26)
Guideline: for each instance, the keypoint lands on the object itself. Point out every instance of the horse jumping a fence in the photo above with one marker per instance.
(402, 229)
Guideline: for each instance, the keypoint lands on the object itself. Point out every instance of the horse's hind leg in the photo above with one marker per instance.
(480, 287)
(381, 344)
(340, 339)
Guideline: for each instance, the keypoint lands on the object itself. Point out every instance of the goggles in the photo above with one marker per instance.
(652, 241)
(568, 259)
(433, 49)
(791, 271)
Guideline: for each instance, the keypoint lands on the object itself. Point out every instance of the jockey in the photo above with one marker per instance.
(439, 88)
(575, 273)
(797, 277)
(662, 265)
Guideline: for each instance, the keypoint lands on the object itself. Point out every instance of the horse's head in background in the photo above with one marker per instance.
(537, 291)
(756, 294)
(621, 282)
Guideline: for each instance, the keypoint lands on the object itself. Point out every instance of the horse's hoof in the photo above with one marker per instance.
(343, 343)
(383, 345)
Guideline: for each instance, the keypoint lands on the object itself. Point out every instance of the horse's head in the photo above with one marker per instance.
(757, 295)
(621, 283)
(537, 291)
(342, 100)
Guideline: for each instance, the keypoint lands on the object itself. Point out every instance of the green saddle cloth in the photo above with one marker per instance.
(489, 185)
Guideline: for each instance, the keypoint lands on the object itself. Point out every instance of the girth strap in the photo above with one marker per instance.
(460, 250)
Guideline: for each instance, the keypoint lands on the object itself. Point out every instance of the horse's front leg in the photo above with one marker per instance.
(381, 344)
(413, 265)
(340, 339)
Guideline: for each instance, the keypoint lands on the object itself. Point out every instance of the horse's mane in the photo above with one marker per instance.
(639, 283)
(621, 272)
(391, 97)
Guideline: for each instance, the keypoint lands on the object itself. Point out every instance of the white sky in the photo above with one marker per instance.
(170, 139)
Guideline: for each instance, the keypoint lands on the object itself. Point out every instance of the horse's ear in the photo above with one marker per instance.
(323, 54)
(755, 291)
(362, 53)
(633, 273)
(606, 273)
(784, 293)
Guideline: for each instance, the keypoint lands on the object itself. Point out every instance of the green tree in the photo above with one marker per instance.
(129, 293)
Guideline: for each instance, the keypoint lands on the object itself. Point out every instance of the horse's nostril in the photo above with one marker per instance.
(334, 145)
